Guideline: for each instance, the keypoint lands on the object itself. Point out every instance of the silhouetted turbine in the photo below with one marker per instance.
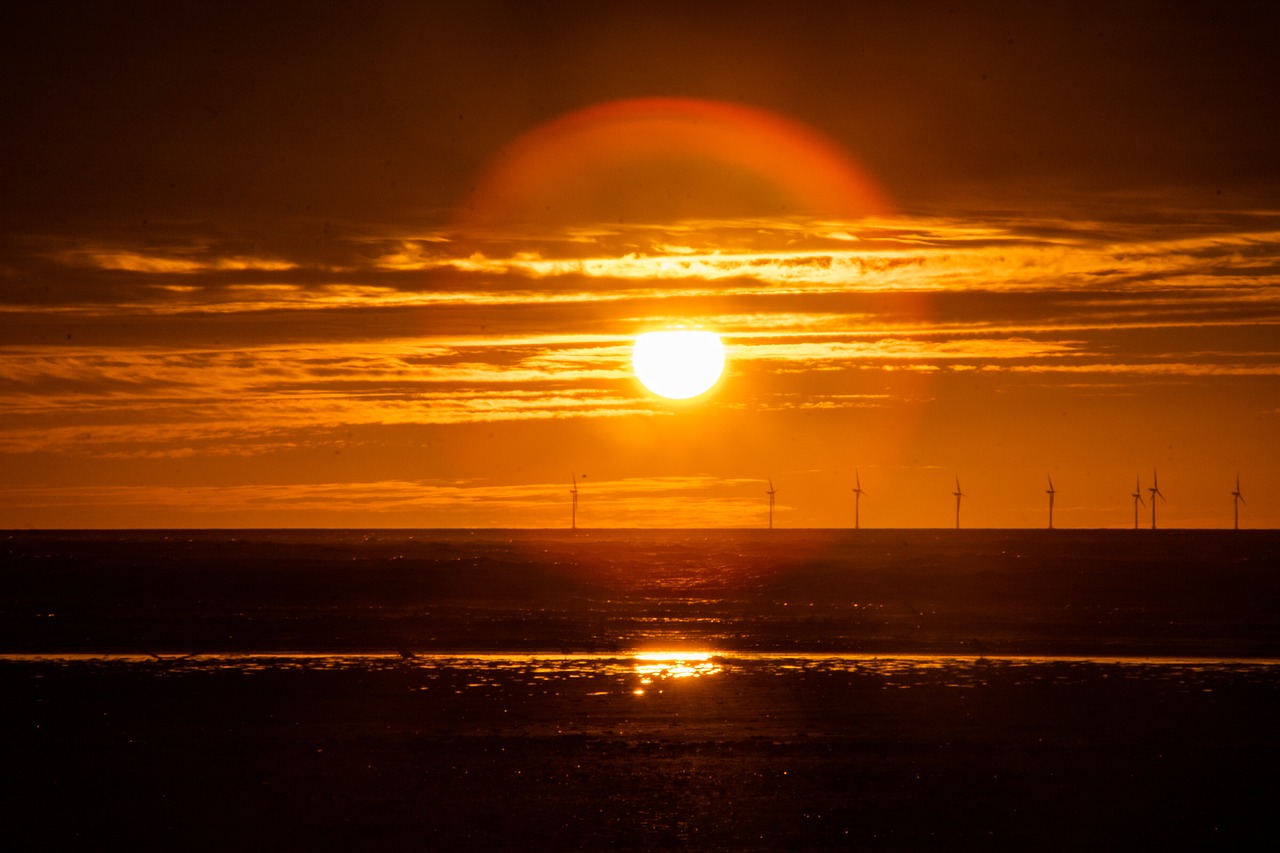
(772, 491)
(1237, 499)
(573, 490)
(1137, 499)
(959, 494)
(1050, 492)
(1154, 489)
(857, 497)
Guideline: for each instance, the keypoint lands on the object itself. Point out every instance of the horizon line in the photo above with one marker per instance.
(580, 529)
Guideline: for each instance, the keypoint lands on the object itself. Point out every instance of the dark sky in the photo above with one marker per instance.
(294, 112)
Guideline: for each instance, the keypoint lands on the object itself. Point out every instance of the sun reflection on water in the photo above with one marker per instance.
(661, 666)
(501, 676)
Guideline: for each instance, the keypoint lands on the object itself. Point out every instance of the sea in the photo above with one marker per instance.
(640, 689)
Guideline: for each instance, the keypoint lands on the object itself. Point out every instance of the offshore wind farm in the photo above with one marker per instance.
(857, 491)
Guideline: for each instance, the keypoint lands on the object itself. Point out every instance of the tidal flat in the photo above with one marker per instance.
(416, 690)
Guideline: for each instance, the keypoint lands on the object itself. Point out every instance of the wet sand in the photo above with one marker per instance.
(766, 753)
(463, 694)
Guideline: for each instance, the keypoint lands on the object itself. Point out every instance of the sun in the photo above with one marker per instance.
(678, 363)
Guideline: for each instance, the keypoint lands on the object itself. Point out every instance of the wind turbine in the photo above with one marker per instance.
(857, 497)
(1154, 489)
(1050, 492)
(1237, 499)
(959, 494)
(573, 490)
(772, 491)
(1137, 499)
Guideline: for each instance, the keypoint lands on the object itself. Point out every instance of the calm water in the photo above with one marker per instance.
(1212, 594)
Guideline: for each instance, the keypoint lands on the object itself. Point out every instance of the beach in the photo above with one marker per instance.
(417, 690)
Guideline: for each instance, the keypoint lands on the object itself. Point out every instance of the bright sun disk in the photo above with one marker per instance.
(678, 363)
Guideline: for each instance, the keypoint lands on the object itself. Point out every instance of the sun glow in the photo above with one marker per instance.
(664, 159)
(678, 364)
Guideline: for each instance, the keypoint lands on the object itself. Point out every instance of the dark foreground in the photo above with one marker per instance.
(487, 693)
(563, 754)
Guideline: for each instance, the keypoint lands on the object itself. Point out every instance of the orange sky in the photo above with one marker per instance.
(381, 266)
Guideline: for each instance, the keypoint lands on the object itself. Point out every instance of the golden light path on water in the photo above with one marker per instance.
(660, 666)
(647, 672)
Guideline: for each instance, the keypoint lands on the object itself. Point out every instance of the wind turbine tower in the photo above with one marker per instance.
(1050, 492)
(1154, 489)
(857, 497)
(573, 490)
(959, 494)
(1237, 499)
(771, 493)
(1137, 499)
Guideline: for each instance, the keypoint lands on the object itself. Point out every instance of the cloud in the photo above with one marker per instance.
(902, 349)
(141, 262)
(694, 501)
(1176, 369)
(930, 254)
(183, 345)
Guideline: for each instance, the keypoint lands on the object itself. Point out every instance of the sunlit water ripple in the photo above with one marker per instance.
(631, 673)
